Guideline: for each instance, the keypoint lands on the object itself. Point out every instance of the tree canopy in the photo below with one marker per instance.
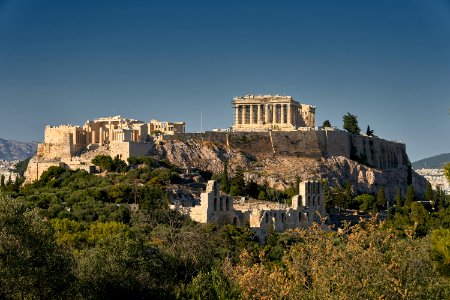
(351, 123)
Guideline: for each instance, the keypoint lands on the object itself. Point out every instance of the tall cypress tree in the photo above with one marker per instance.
(410, 195)
(429, 192)
(381, 199)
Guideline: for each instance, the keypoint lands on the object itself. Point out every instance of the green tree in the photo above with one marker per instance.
(238, 183)
(120, 267)
(410, 195)
(429, 192)
(2, 181)
(119, 165)
(447, 171)
(212, 285)
(326, 123)
(104, 162)
(398, 198)
(351, 123)
(32, 265)
(441, 249)
(224, 183)
(419, 216)
(21, 166)
(367, 202)
(369, 132)
(381, 199)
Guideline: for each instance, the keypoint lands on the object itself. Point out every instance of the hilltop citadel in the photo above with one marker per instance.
(273, 137)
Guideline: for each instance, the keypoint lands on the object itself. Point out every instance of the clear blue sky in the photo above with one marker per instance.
(388, 62)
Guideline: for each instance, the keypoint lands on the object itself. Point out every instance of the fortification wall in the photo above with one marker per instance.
(124, 150)
(36, 168)
(371, 151)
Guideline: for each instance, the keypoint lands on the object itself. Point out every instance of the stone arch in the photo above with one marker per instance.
(227, 204)
(267, 217)
(215, 203)
(221, 204)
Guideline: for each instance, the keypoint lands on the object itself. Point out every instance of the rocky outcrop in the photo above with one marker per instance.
(278, 158)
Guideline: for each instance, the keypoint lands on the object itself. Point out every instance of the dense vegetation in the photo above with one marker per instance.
(72, 235)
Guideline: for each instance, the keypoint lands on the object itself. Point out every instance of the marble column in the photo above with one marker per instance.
(242, 114)
(251, 114)
(259, 114)
(236, 116)
(274, 113)
(100, 136)
(289, 114)
(282, 120)
(266, 113)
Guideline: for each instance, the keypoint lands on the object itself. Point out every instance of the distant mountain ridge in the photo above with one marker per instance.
(434, 162)
(14, 150)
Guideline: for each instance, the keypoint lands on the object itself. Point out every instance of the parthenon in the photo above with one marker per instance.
(263, 112)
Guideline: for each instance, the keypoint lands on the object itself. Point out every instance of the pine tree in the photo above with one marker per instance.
(381, 199)
(410, 195)
(2, 181)
(225, 184)
(351, 123)
(398, 198)
(238, 183)
(429, 192)
(369, 132)
(326, 123)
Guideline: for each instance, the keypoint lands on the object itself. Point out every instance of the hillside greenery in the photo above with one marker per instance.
(73, 235)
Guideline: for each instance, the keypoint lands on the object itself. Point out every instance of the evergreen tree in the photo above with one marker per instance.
(410, 195)
(238, 183)
(326, 123)
(369, 132)
(2, 181)
(447, 171)
(381, 199)
(398, 198)
(225, 184)
(429, 192)
(351, 123)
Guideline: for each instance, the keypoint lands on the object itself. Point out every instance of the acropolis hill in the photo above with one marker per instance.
(273, 137)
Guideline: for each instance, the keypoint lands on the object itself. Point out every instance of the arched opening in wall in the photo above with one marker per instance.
(234, 221)
(215, 204)
(308, 201)
(267, 218)
(274, 217)
(221, 204)
(227, 204)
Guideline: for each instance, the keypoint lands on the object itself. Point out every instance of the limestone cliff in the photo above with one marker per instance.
(277, 158)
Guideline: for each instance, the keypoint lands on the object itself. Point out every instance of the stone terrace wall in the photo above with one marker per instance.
(371, 151)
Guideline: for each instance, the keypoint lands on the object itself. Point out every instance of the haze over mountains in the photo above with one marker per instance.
(434, 162)
(14, 150)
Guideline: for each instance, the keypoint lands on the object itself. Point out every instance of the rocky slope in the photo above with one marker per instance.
(279, 169)
(13, 150)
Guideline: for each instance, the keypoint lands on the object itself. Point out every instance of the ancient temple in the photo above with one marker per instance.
(275, 112)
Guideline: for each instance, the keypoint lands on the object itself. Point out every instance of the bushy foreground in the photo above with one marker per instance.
(43, 259)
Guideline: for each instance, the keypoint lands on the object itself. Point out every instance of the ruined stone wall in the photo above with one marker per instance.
(36, 168)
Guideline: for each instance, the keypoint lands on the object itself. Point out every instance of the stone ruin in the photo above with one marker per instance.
(307, 207)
